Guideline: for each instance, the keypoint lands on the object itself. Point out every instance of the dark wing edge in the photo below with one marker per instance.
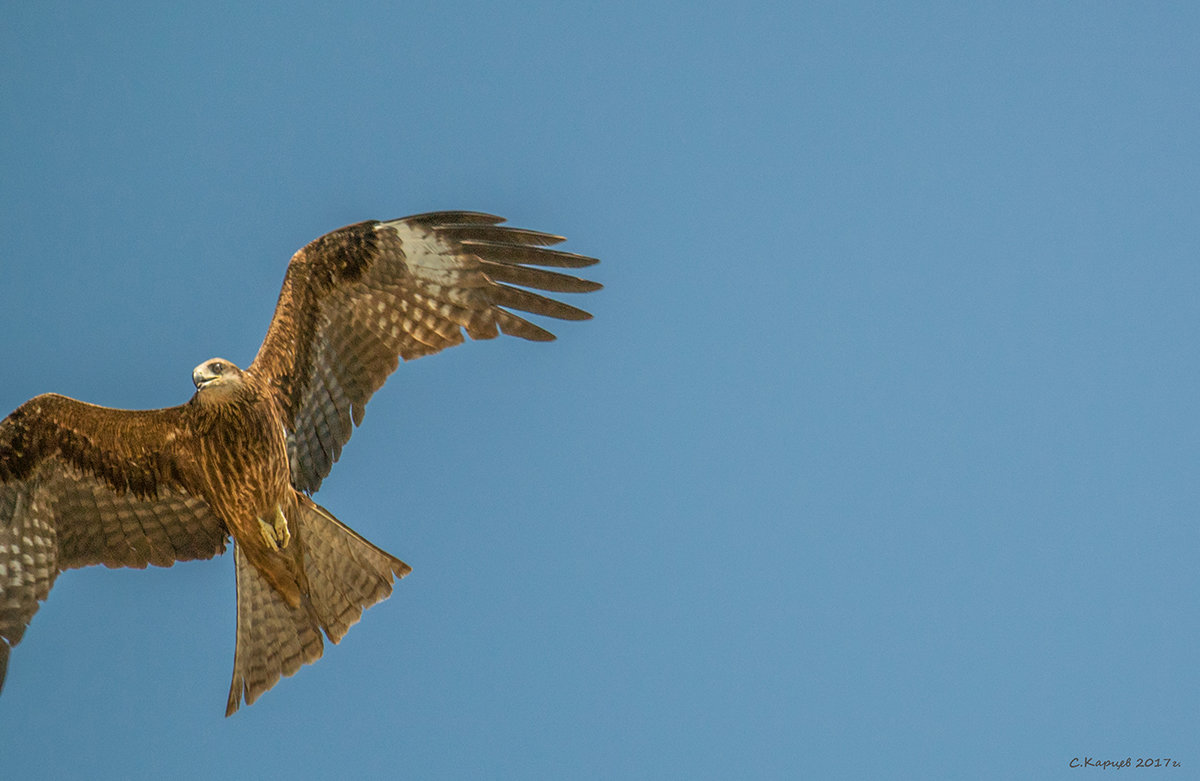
(81, 485)
(357, 300)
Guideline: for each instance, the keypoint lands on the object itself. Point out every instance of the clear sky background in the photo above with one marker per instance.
(879, 459)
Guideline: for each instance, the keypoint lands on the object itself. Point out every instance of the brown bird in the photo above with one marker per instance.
(82, 484)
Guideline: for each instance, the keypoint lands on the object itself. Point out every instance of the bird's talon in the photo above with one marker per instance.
(276, 534)
(268, 534)
(282, 533)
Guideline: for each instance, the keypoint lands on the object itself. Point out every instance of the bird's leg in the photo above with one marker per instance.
(276, 533)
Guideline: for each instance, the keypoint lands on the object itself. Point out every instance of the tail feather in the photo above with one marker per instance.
(273, 638)
(346, 574)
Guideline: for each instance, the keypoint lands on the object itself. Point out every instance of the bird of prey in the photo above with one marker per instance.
(82, 484)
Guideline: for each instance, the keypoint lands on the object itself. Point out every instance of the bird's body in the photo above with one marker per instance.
(82, 484)
(241, 436)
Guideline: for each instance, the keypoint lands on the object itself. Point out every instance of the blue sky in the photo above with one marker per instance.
(877, 461)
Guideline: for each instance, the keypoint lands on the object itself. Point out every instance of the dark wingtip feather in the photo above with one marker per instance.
(520, 327)
(445, 218)
(524, 300)
(500, 252)
(501, 234)
(537, 278)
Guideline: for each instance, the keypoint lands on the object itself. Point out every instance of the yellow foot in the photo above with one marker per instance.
(276, 533)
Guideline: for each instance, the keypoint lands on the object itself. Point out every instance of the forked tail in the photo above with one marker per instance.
(346, 574)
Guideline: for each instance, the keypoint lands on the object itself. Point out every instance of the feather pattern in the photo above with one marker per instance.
(357, 300)
(274, 639)
(346, 575)
(81, 485)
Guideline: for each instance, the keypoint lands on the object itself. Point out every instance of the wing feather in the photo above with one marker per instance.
(501, 252)
(528, 276)
(357, 300)
(81, 485)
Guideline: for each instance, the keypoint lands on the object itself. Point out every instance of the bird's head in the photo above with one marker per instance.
(217, 377)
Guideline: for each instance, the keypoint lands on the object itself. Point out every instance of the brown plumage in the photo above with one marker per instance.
(82, 484)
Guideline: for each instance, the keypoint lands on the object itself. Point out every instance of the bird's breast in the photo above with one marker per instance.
(245, 463)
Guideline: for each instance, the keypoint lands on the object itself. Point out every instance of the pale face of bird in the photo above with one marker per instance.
(217, 376)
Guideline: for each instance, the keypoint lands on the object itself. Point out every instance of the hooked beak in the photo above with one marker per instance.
(202, 375)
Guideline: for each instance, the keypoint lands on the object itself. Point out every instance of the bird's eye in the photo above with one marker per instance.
(216, 367)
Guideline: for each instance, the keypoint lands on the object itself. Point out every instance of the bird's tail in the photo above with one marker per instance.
(345, 573)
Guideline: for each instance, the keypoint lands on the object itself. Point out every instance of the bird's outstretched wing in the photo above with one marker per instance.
(358, 299)
(82, 484)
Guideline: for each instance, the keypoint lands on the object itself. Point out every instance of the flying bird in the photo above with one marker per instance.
(82, 484)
